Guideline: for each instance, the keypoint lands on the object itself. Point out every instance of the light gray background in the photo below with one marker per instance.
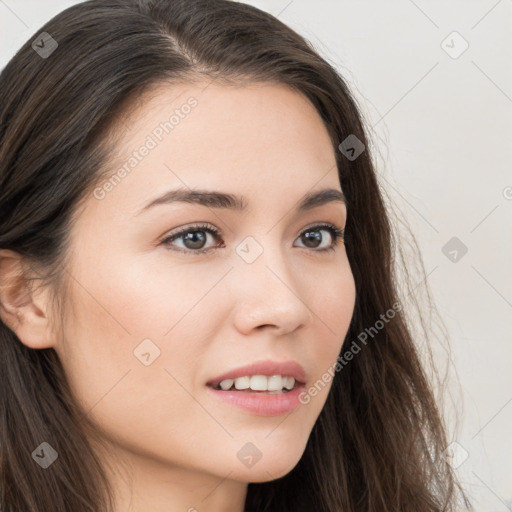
(443, 126)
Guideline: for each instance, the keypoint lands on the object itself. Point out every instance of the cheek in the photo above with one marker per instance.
(333, 313)
(127, 322)
(127, 398)
(334, 306)
(134, 298)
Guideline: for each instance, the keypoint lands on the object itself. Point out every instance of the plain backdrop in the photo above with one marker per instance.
(434, 80)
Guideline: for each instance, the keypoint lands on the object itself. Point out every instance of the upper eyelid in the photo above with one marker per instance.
(206, 226)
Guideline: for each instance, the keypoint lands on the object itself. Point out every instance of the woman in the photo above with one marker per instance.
(198, 304)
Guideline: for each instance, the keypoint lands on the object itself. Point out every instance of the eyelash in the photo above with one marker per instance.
(336, 233)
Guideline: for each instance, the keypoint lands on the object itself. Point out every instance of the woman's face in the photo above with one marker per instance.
(149, 326)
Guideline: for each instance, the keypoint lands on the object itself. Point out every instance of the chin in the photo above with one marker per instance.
(266, 471)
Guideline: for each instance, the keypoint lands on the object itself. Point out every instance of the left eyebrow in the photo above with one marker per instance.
(223, 200)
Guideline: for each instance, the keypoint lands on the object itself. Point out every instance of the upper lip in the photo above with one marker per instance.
(268, 368)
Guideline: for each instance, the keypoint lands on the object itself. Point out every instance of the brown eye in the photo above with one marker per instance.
(312, 237)
(194, 238)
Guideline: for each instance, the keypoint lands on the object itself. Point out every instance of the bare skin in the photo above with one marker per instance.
(173, 445)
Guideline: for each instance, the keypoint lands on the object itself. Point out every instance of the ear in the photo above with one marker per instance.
(22, 309)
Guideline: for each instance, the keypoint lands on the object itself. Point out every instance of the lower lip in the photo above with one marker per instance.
(261, 403)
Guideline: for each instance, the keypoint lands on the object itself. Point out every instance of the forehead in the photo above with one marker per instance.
(257, 139)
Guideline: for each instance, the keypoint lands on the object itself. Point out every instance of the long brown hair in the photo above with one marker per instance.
(378, 443)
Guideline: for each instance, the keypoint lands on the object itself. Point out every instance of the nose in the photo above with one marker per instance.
(269, 295)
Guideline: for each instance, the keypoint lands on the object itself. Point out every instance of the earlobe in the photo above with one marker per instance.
(22, 309)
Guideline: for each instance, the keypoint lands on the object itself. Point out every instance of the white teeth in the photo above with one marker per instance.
(242, 383)
(290, 382)
(275, 382)
(226, 384)
(259, 383)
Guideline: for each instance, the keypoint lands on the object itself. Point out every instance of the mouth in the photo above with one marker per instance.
(263, 384)
(262, 388)
(260, 391)
(261, 377)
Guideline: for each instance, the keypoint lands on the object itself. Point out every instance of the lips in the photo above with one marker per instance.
(267, 368)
